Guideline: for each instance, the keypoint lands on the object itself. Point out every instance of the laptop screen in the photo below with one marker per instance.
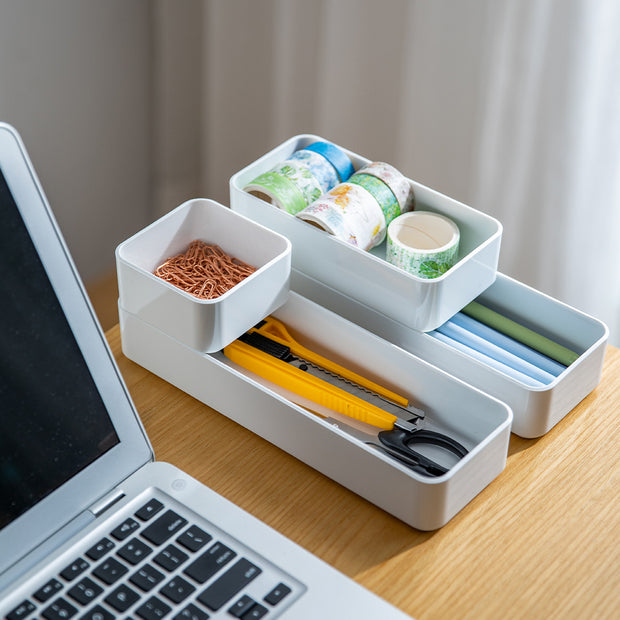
(53, 422)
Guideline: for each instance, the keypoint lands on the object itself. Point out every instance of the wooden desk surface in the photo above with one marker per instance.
(542, 541)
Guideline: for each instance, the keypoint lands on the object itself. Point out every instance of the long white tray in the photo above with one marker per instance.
(480, 422)
(535, 409)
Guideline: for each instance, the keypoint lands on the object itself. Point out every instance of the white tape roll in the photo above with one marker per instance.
(422, 243)
(350, 213)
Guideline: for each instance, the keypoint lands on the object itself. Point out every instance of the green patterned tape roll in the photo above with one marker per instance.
(422, 243)
(278, 190)
(381, 193)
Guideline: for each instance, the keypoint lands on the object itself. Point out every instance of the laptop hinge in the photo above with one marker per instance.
(106, 502)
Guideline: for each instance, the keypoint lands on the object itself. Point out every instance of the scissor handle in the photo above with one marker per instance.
(397, 443)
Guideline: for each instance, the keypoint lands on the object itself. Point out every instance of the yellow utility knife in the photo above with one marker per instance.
(269, 351)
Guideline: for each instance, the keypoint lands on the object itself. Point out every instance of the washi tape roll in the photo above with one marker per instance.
(397, 182)
(350, 213)
(320, 168)
(422, 243)
(381, 192)
(301, 175)
(328, 217)
(277, 190)
(335, 156)
(289, 185)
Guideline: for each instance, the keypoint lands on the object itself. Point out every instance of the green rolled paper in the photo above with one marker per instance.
(520, 333)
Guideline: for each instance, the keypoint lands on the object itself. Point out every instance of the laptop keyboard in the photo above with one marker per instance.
(157, 563)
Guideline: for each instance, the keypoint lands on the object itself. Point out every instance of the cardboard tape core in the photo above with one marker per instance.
(424, 231)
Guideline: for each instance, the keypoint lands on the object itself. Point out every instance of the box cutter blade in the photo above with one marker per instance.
(269, 351)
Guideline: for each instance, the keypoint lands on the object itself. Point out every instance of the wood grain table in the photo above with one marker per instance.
(541, 541)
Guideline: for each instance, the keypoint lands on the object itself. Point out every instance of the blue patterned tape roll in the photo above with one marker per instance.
(335, 156)
(319, 167)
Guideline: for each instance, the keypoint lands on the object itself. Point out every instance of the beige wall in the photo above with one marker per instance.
(75, 82)
(130, 107)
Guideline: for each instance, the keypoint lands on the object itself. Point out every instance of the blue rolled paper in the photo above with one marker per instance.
(485, 359)
(509, 344)
(493, 351)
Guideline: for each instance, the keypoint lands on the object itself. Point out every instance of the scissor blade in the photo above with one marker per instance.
(356, 399)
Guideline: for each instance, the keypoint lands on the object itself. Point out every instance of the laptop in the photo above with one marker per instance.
(91, 526)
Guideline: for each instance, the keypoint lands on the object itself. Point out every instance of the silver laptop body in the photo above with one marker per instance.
(90, 525)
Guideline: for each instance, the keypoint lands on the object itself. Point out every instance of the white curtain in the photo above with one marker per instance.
(511, 106)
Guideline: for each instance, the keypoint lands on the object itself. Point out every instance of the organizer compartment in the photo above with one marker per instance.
(205, 324)
(479, 421)
(367, 277)
(535, 409)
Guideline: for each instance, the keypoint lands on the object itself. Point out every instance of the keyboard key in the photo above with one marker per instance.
(150, 509)
(125, 529)
(177, 589)
(122, 598)
(134, 551)
(59, 610)
(257, 612)
(96, 552)
(193, 538)
(229, 584)
(110, 571)
(97, 613)
(277, 594)
(153, 609)
(48, 590)
(244, 604)
(23, 610)
(85, 591)
(191, 612)
(164, 527)
(74, 569)
(170, 558)
(146, 578)
(214, 558)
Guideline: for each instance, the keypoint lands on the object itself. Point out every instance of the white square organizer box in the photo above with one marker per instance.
(204, 324)
(189, 359)
(364, 288)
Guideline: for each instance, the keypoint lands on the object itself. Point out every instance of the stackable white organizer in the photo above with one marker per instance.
(204, 324)
(478, 421)
(401, 308)
(535, 409)
(354, 307)
(366, 277)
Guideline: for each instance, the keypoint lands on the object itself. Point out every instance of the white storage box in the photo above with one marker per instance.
(535, 409)
(205, 324)
(478, 421)
(367, 277)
